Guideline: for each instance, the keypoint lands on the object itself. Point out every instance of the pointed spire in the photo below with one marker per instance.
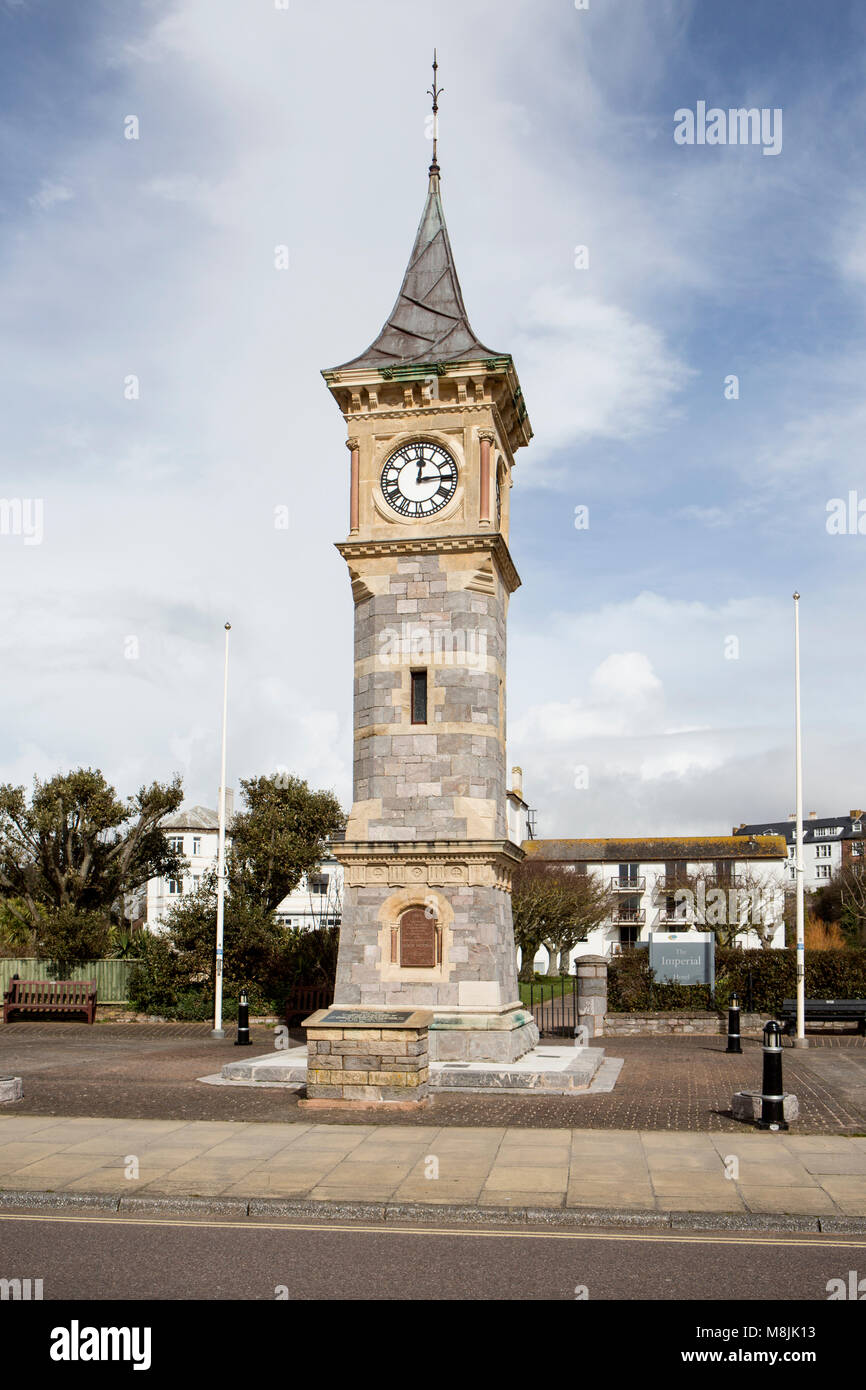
(428, 323)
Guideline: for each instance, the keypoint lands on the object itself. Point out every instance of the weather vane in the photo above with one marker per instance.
(435, 92)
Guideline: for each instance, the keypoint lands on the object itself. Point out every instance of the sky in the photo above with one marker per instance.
(162, 409)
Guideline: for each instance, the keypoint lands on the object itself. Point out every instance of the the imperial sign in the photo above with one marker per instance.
(687, 957)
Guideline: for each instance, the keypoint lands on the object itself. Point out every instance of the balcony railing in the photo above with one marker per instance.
(628, 885)
(633, 915)
(668, 884)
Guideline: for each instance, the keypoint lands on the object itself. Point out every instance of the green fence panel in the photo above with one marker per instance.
(111, 976)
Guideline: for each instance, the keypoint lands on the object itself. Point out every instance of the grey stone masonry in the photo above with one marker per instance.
(591, 994)
(481, 950)
(417, 770)
(367, 1064)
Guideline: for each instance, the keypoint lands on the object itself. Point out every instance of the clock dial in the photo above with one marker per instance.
(419, 479)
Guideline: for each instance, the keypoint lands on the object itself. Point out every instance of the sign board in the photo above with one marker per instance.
(687, 957)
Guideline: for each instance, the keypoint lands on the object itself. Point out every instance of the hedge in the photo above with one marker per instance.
(829, 975)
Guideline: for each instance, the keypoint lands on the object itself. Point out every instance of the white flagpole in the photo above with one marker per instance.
(218, 1030)
(800, 1040)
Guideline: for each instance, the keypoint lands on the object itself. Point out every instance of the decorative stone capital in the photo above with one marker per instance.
(487, 435)
(353, 443)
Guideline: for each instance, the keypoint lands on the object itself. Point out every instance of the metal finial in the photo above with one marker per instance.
(435, 92)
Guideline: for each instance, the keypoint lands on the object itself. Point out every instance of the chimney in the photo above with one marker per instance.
(813, 815)
(856, 815)
(792, 816)
(517, 781)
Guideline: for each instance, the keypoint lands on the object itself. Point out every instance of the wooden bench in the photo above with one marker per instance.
(825, 1011)
(50, 997)
(305, 999)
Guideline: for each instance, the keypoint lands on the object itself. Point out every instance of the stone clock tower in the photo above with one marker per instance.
(434, 419)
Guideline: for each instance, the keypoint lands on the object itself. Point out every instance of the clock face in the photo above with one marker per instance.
(419, 479)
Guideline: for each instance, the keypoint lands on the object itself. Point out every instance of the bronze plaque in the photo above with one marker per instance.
(417, 940)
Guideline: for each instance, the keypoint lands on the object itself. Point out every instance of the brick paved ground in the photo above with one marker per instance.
(676, 1083)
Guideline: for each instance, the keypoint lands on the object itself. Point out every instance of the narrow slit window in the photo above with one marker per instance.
(419, 697)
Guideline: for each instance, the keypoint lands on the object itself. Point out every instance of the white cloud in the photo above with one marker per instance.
(590, 370)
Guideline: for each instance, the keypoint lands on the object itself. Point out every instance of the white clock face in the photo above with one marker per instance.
(419, 479)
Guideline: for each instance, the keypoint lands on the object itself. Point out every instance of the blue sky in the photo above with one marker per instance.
(306, 127)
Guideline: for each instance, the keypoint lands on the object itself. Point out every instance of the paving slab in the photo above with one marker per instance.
(806, 1201)
(725, 1201)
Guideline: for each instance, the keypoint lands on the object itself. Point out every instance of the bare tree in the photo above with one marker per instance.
(555, 907)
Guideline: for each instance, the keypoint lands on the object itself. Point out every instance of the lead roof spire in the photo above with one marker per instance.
(435, 92)
(428, 324)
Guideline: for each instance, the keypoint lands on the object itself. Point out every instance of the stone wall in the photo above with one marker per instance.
(367, 1064)
(624, 1024)
(478, 947)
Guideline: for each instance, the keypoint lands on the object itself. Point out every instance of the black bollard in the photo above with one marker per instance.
(772, 1095)
(734, 1025)
(243, 1037)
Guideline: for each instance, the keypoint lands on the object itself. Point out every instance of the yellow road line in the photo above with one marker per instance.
(392, 1229)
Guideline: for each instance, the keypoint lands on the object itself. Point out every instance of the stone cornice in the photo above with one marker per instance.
(438, 545)
(420, 865)
(458, 851)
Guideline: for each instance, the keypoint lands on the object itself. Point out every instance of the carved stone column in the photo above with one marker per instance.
(353, 446)
(487, 438)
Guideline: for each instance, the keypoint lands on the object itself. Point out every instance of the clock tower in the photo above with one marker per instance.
(434, 420)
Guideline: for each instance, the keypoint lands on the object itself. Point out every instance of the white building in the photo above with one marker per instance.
(645, 879)
(825, 844)
(194, 832)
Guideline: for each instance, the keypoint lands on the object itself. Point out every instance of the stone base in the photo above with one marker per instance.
(550, 1069)
(11, 1088)
(474, 1038)
(746, 1105)
(368, 1055)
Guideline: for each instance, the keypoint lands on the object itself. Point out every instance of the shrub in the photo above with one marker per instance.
(830, 974)
(633, 988)
(157, 980)
(66, 938)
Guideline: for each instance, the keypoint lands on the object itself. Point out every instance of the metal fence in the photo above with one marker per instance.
(111, 976)
(554, 1007)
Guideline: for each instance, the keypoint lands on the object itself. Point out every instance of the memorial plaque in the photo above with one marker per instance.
(417, 940)
(365, 1016)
